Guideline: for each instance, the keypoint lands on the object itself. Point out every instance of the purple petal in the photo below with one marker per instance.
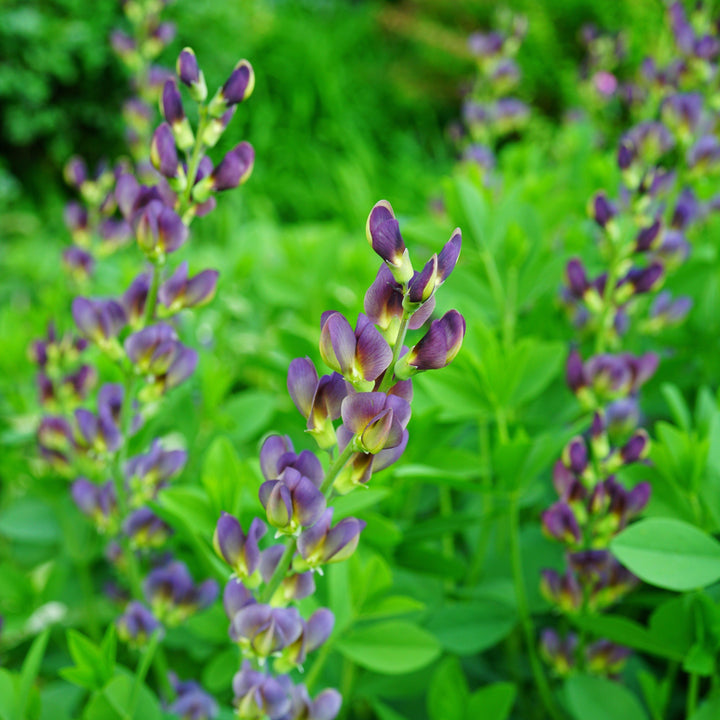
(302, 382)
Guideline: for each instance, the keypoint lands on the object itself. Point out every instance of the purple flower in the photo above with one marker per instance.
(277, 454)
(294, 586)
(163, 152)
(145, 529)
(437, 348)
(239, 85)
(172, 594)
(191, 701)
(322, 544)
(179, 291)
(264, 630)
(159, 229)
(98, 502)
(258, 695)
(98, 320)
(136, 624)
(360, 356)
(375, 420)
(240, 551)
(383, 234)
(559, 522)
(292, 501)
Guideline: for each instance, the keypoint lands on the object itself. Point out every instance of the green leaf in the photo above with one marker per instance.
(7, 695)
(30, 670)
(678, 406)
(594, 698)
(391, 648)
(669, 554)
(627, 632)
(448, 691)
(493, 702)
(709, 710)
(221, 476)
(470, 627)
(30, 521)
(116, 699)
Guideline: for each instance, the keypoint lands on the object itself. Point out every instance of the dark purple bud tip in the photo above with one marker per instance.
(187, 67)
(171, 103)
(239, 85)
(602, 210)
(163, 152)
(235, 168)
(577, 278)
(383, 234)
(437, 348)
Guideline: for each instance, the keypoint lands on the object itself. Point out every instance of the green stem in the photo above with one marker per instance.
(606, 315)
(446, 511)
(389, 376)
(194, 160)
(144, 664)
(524, 612)
(478, 560)
(151, 301)
(280, 571)
(692, 695)
(336, 467)
(314, 673)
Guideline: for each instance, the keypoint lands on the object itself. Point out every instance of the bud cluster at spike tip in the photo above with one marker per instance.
(358, 412)
(490, 111)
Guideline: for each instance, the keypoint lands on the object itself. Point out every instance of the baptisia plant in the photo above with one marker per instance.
(642, 240)
(358, 414)
(90, 437)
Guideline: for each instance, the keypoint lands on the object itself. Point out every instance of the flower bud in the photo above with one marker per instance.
(239, 551)
(190, 74)
(436, 349)
(136, 624)
(321, 544)
(163, 152)
(237, 87)
(383, 234)
(173, 112)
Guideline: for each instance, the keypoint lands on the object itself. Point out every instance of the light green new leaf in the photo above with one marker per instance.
(493, 702)
(669, 554)
(594, 698)
(392, 648)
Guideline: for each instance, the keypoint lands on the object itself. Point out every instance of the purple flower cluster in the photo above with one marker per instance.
(358, 413)
(643, 238)
(489, 111)
(88, 436)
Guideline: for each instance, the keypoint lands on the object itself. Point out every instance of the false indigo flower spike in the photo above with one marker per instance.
(190, 74)
(159, 230)
(240, 551)
(173, 112)
(179, 291)
(321, 544)
(291, 502)
(163, 152)
(361, 356)
(436, 349)
(136, 624)
(383, 234)
(258, 695)
(237, 87)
